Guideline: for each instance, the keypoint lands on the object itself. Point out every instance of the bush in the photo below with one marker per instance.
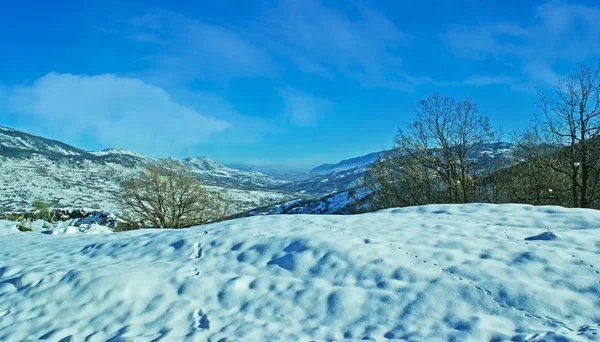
(168, 195)
(43, 209)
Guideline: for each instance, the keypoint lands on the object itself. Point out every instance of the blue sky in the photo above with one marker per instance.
(275, 82)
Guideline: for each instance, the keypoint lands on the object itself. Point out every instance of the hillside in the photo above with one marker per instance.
(472, 272)
(344, 202)
(329, 179)
(33, 167)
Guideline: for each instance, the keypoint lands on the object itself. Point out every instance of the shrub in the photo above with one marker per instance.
(43, 209)
(24, 227)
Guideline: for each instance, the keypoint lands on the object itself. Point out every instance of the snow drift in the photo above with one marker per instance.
(440, 272)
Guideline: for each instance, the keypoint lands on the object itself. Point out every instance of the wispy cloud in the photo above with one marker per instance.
(115, 111)
(327, 42)
(513, 83)
(292, 164)
(304, 109)
(186, 49)
(308, 35)
(560, 33)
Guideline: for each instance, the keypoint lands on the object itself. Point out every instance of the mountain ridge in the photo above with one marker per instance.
(347, 164)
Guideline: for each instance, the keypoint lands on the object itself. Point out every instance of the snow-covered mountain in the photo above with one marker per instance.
(33, 167)
(119, 151)
(325, 184)
(216, 174)
(277, 171)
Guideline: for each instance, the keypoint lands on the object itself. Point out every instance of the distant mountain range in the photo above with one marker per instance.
(33, 167)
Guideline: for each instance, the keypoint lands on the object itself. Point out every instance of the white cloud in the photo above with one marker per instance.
(303, 109)
(245, 128)
(110, 111)
(559, 33)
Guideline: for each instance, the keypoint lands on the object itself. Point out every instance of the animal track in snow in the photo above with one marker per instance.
(503, 304)
(545, 320)
(195, 273)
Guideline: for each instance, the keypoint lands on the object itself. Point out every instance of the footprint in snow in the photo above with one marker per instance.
(201, 321)
(197, 253)
(5, 313)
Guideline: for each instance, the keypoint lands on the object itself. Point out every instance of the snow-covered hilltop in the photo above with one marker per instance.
(119, 151)
(433, 273)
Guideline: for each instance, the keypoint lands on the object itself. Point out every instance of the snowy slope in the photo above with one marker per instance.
(433, 273)
(65, 184)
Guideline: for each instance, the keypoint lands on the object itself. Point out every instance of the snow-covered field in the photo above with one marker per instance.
(432, 273)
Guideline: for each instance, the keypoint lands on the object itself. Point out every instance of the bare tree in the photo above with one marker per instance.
(572, 119)
(438, 158)
(448, 138)
(530, 179)
(396, 181)
(168, 195)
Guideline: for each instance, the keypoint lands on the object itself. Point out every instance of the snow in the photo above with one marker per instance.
(430, 273)
(64, 227)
